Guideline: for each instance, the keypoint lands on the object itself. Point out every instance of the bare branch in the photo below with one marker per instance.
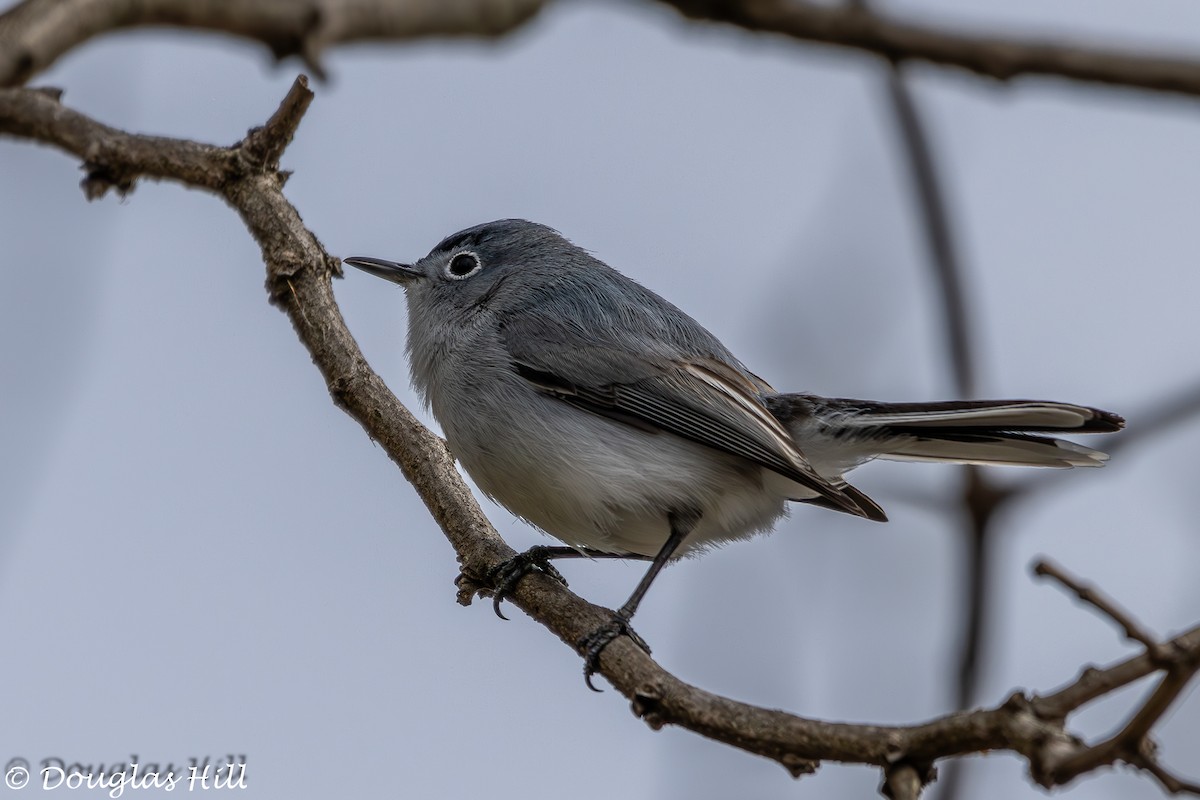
(112, 158)
(1001, 58)
(298, 281)
(1102, 603)
(35, 33)
(265, 145)
(1170, 782)
(1132, 743)
(944, 261)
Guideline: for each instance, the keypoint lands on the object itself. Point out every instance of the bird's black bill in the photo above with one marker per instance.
(388, 270)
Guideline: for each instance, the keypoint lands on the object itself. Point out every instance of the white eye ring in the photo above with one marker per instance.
(462, 259)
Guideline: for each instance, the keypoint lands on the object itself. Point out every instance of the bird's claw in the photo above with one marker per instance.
(594, 643)
(505, 576)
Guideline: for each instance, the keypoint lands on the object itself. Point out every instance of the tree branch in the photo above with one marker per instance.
(1000, 58)
(265, 145)
(944, 262)
(111, 158)
(1102, 603)
(1132, 743)
(35, 33)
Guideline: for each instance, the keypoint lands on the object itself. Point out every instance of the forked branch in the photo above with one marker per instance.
(1131, 744)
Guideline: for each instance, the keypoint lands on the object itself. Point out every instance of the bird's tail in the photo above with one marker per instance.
(1002, 432)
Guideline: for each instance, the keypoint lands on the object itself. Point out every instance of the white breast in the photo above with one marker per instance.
(584, 479)
(593, 482)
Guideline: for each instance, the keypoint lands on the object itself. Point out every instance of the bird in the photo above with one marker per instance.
(602, 414)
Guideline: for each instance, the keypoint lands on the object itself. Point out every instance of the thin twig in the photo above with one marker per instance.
(1089, 594)
(265, 145)
(1171, 783)
(1131, 743)
(1095, 682)
(944, 260)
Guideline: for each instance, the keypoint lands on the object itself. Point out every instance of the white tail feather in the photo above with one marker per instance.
(1016, 452)
(1023, 415)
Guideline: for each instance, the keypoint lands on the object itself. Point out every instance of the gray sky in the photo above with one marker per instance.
(201, 555)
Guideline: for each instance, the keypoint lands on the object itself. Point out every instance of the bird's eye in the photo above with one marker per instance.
(463, 265)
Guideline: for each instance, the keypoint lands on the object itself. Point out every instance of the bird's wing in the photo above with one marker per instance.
(700, 398)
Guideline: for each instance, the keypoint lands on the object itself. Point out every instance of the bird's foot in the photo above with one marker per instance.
(594, 643)
(505, 576)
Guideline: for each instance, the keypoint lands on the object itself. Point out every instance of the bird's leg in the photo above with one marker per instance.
(592, 645)
(505, 576)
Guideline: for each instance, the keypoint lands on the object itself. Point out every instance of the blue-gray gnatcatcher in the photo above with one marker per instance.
(599, 412)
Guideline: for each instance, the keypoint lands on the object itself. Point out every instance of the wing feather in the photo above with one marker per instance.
(700, 398)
